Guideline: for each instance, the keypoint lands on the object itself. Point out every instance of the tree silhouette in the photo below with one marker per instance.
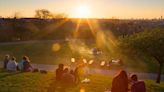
(43, 14)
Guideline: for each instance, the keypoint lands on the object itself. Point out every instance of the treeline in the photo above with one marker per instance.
(22, 29)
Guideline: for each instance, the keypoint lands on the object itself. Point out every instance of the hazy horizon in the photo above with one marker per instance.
(122, 9)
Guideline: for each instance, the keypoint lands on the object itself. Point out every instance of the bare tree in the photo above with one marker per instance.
(46, 14)
(43, 14)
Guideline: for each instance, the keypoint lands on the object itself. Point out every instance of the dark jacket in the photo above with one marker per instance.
(138, 87)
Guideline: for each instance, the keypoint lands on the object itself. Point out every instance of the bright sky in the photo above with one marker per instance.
(86, 8)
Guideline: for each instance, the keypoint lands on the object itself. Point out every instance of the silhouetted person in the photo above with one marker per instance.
(68, 79)
(77, 74)
(137, 86)
(59, 72)
(72, 72)
(12, 65)
(20, 64)
(120, 82)
(27, 67)
(5, 61)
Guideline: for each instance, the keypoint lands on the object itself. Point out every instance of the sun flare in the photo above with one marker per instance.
(83, 12)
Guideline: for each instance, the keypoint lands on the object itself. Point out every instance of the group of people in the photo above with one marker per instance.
(10, 64)
(68, 77)
(121, 83)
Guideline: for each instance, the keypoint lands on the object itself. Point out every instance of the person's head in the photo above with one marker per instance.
(13, 58)
(66, 70)
(25, 58)
(7, 56)
(122, 74)
(61, 66)
(134, 77)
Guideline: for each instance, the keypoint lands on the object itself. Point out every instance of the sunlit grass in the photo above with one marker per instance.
(37, 82)
(51, 52)
(24, 82)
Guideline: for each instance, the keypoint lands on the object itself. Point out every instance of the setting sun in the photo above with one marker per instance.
(82, 45)
(82, 12)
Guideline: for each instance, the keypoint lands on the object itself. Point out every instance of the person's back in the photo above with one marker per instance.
(119, 86)
(138, 87)
(20, 65)
(77, 75)
(59, 72)
(67, 78)
(120, 83)
(12, 65)
(27, 66)
(5, 61)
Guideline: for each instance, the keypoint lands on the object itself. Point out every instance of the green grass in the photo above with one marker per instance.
(154, 87)
(24, 82)
(37, 82)
(42, 53)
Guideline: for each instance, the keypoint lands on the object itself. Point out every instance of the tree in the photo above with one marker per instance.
(150, 43)
(43, 14)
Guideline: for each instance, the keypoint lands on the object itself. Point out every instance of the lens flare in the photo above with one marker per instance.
(102, 63)
(56, 47)
(72, 60)
(91, 61)
(85, 61)
(82, 90)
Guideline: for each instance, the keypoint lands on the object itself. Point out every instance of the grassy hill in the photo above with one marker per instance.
(39, 52)
(37, 82)
(55, 52)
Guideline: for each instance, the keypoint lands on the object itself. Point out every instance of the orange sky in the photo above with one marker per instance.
(96, 8)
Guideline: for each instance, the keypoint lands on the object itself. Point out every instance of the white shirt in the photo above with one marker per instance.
(12, 65)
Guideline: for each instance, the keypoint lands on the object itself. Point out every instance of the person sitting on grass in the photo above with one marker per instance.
(120, 82)
(5, 61)
(68, 79)
(20, 64)
(27, 67)
(12, 65)
(77, 73)
(72, 72)
(59, 72)
(137, 86)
